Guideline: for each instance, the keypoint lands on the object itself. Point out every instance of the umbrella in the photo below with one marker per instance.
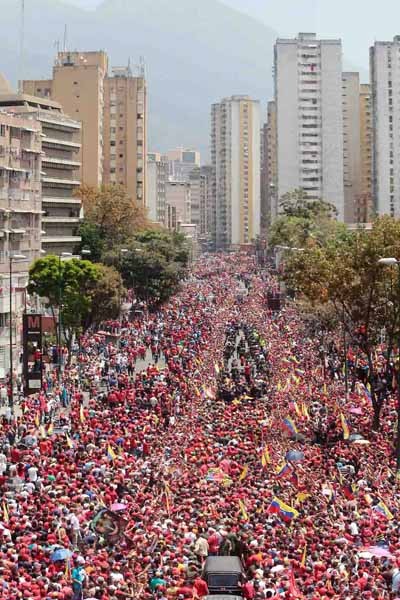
(60, 554)
(378, 551)
(355, 436)
(118, 506)
(294, 456)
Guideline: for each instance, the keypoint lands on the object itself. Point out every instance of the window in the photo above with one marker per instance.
(2, 130)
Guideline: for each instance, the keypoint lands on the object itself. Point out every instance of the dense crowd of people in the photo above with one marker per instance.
(234, 439)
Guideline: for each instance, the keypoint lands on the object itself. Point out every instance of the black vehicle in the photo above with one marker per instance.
(224, 576)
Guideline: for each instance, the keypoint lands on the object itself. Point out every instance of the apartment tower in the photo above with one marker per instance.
(125, 152)
(112, 110)
(268, 174)
(157, 178)
(385, 87)
(308, 97)
(235, 158)
(351, 144)
(364, 208)
(78, 85)
(60, 172)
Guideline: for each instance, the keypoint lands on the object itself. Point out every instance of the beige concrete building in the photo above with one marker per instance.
(125, 132)
(364, 204)
(181, 163)
(113, 113)
(60, 175)
(177, 196)
(157, 177)
(351, 144)
(78, 85)
(20, 223)
(200, 180)
(268, 172)
(235, 159)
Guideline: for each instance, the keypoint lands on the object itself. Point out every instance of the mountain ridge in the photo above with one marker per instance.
(195, 53)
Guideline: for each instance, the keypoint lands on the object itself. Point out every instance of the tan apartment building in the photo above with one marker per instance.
(364, 204)
(20, 223)
(235, 160)
(113, 113)
(125, 127)
(78, 85)
(60, 174)
(177, 196)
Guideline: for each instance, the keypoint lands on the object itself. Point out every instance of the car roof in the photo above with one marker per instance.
(223, 563)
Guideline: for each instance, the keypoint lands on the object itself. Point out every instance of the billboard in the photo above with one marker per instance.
(32, 353)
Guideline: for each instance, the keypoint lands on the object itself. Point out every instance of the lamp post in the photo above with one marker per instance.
(12, 257)
(391, 262)
(60, 282)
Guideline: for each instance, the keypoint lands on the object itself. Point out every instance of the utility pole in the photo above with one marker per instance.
(21, 48)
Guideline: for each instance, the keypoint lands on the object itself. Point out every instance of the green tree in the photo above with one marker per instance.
(116, 216)
(91, 239)
(302, 221)
(105, 296)
(68, 285)
(155, 264)
(364, 296)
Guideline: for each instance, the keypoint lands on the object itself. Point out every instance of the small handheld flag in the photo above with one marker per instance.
(243, 510)
(110, 453)
(243, 474)
(265, 457)
(345, 427)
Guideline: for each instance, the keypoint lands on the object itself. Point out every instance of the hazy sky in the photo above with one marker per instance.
(357, 22)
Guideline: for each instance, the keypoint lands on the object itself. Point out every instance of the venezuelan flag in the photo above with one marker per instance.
(345, 427)
(282, 470)
(284, 510)
(110, 453)
(50, 429)
(70, 443)
(367, 392)
(289, 425)
(6, 517)
(305, 410)
(382, 509)
(81, 414)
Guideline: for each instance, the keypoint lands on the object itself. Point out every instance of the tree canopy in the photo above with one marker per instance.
(302, 221)
(86, 292)
(347, 279)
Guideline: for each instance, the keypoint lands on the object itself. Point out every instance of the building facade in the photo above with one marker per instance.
(364, 209)
(308, 97)
(235, 159)
(157, 178)
(385, 87)
(182, 162)
(351, 144)
(268, 159)
(20, 228)
(177, 197)
(125, 132)
(60, 174)
(113, 113)
(78, 85)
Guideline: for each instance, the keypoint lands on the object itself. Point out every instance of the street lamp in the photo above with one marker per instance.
(12, 257)
(391, 262)
(60, 278)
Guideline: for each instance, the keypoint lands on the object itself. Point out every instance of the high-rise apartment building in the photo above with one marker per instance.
(20, 223)
(351, 144)
(113, 113)
(268, 168)
(308, 97)
(60, 174)
(364, 204)
(181, 162)
(125, 126)
(235, 158)
(200, 200)
(78, 85)
(157, 177)
(385, 87)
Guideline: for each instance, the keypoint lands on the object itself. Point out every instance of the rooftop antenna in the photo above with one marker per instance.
(142, 67)
(21, 48)
(65, 38)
